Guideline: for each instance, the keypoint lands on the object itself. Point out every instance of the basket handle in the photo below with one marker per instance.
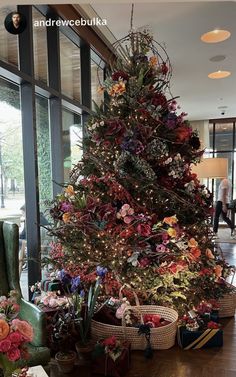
(137, 303)
(233, 274)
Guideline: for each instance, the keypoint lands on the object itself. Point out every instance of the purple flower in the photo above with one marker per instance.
(101, 271)
(66, 207)
(64, 277)
(171, 120)
(132, 145)
(82, 293)
(75, 282)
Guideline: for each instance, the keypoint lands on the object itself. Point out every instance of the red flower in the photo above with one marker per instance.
(159, 100)
(127, 232)
(120, 74)
(144, 262)
(183, 133)
(5, 345)
(109, 341)
(164, 68)
(13, 354)
(114, 127)
(213, 325)
(144, 229)
(205, 271)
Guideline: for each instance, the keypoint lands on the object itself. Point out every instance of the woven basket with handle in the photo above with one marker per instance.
(161, 337)
(227, 304)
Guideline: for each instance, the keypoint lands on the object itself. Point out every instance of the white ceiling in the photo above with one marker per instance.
(179, 26)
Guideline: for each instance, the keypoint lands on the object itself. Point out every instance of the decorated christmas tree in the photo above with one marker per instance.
(133, 212)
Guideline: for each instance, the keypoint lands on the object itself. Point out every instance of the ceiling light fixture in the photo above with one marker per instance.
(219, 74)
(215, 36)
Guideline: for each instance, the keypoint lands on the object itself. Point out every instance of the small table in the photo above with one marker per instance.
(38, 371)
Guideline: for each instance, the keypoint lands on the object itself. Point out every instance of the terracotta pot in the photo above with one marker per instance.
(84, 353)
(66, 361)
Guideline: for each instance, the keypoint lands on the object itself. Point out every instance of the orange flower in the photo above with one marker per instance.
(171, 232)
(70, 190)
(218, 270)
(170, 220)
(153, 61)
(118, 88)
(66, 217)
(192, 242)
(100, 90)
(209, 254)
(195, 253)
(4, 329)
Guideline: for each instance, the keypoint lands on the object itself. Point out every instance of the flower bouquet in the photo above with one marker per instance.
(14, 335)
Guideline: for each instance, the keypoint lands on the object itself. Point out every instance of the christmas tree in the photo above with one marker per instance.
(133, 212)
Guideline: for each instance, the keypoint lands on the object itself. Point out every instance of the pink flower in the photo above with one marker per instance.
(5, 345)
(128, 219)
(24, 328)
(13, 354)
(144, 229)
(15, 337)
(144, 262)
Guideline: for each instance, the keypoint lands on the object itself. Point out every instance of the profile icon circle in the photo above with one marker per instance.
(15, 22)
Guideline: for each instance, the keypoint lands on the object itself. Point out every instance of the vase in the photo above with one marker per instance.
(84, 353)
(7, 366)
(65, 361)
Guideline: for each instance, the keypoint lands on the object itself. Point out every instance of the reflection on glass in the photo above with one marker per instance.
(40, 47)
(8, 42)
(12, 191)
(44, 168)
(44, 154)
(70, 68)
(223, 136)
(97, 78)
(72, 136)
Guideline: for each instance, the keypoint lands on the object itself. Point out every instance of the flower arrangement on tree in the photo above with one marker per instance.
(14, 335)
(133, 205)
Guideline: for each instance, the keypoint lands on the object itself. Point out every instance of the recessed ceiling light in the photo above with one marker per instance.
(215, 36)
(217, 58)
(219, 74)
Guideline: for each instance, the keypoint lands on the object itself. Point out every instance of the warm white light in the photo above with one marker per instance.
(215, 36)
(219, 74)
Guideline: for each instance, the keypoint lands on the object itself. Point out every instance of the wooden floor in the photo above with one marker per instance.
(211, 362)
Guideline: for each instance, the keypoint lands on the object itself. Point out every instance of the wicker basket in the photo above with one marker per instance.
(227, 304)
(161, 337)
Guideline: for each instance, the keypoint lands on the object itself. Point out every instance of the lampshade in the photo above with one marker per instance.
(212, 168)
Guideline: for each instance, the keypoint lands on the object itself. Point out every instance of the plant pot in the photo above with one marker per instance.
(65, 361)
(84, 353)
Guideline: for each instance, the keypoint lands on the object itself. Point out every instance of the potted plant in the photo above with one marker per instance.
(85, 306)
(62, 339)
(72, 326)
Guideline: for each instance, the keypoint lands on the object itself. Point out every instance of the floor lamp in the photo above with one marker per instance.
(211, 168)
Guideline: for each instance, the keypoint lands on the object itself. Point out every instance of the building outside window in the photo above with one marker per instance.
(41, 130)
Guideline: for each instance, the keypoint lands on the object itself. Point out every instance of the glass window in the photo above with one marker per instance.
(97, 78)
(44, 168)
(44, 154)
(223, 136)
(72, 140)
(70, 68)
(12, 192)
(8, 41)
(40, 47)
